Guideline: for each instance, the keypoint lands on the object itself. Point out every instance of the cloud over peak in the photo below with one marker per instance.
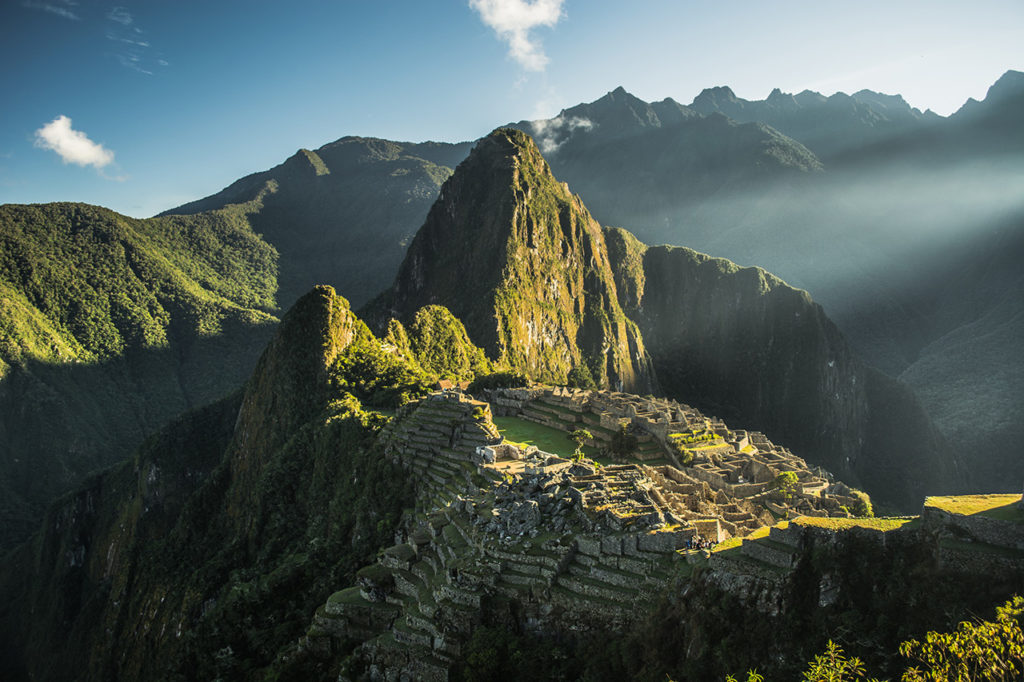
(513, 20)
(73, 146)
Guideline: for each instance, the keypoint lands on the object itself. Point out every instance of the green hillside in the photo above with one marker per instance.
(110, 326)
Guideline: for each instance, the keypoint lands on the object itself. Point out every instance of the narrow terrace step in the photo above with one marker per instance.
(607, 574)
(589, 586)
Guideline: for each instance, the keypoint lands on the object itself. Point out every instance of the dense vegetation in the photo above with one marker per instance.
(530, 280)
(228, 528)
(111, 326)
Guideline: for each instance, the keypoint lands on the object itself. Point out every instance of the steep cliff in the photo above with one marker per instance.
(744, 344)
(543, 289)
(202, 556)
(522, 263)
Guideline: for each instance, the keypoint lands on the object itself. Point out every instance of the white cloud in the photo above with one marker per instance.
(73, 146)
(513, 20)
(551, 133)
(61, 8)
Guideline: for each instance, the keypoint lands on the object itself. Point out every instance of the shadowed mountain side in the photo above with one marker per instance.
(343, 214)
(743, 344)
(109, 327)
(224, 533)
(60, 422)
(521, 263)
(885, 238)
(970, 377)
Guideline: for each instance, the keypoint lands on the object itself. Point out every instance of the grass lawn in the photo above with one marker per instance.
(878, 523)
(1003, 507)
(523, 432)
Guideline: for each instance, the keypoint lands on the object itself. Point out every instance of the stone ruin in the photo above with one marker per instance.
(569, 541)
(731, 477)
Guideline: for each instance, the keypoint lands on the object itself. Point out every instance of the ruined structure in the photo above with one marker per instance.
(570, 542)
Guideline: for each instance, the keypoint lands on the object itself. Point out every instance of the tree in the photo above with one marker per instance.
(786, 483)
(580, 376)
(623, 442)
(579, 436)
(982, 650)
(834, 666)
(863, 506)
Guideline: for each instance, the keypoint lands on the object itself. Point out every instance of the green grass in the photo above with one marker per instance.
(523, 432)
(883, 524)
(1001, 506)
(349, 595)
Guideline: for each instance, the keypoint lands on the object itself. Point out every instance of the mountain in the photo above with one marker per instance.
(632, 161)
(111, 326)
(206, 552)
(342, 214)
(286, 532)
(542, 288)
(827, 125)
(520, 261)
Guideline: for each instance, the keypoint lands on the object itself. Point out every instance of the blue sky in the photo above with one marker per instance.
(166, 101)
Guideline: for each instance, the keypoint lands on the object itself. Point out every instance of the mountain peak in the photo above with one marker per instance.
(519, 259)
(1010, 84)
(721, 93)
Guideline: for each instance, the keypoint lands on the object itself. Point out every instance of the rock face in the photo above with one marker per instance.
(522, 263)
(742, 343)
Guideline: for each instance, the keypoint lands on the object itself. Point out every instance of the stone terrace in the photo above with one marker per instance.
(569, 540)
(731, 474)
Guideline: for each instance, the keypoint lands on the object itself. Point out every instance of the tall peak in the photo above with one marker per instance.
(519, 259)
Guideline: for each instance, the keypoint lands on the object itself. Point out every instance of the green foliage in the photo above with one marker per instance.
(580, 377)
(580, 436)
(833, 665)
(441, 346)
(111, 326)
(786, 484)
(510, 379)
(863, 506)
(980, 650)
(677, 443)
(752, 676)
(376, 375)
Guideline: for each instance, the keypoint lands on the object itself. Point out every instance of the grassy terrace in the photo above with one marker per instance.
(555, 441)
(1002, 507)
(523, 432)
(883, 524)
